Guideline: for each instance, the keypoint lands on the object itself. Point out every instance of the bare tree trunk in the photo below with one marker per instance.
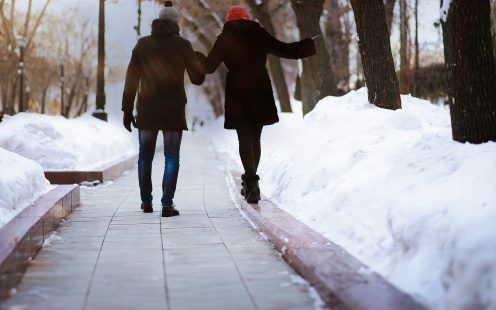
(317, 79)
(338, 40)
(417, 52)
(493, 26)
(43, 100)
(28, 17)
(389, 7)
(404, 48)
(359, 69)
(37, 23)
(71, 99)
(471, 71)
(275, 65)
(82, 108)
(377, 58)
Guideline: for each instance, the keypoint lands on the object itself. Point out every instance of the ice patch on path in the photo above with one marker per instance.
(57, 143)
(318, 303)
(53, 237)
(392, 188)
(22, 181)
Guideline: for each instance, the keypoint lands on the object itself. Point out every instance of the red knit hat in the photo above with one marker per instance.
(238, 12)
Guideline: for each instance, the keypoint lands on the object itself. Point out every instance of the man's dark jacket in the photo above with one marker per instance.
(157, 69)
(243, 46)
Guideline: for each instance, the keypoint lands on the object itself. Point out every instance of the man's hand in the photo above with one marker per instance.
(128, 120)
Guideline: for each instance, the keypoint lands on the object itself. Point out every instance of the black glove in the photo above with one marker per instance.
(308, 47)
(128, 120)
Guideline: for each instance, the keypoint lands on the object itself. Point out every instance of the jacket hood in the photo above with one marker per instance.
(241, 26)
(164, 28)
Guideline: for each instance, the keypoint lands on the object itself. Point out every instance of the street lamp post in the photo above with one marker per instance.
(100, 78)
(62, 85)
(21, 41)
(27, 96)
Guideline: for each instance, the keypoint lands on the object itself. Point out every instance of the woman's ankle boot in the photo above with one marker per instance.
(253, 191)
(244, 185)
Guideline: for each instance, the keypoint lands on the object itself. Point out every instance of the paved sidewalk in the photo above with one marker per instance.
(110, 255)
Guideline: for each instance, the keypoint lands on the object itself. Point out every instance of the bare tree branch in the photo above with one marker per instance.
(37, 23)
(203, 4)
(28, 17)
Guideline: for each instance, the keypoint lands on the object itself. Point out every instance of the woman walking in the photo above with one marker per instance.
(243, 46)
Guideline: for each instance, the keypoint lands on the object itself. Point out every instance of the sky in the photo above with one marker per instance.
(121, 16)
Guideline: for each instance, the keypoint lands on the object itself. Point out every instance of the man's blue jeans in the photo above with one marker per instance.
(172, 145)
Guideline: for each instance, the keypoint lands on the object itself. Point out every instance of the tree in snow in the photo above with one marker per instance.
(389, 7)
(317, 79)
(471, 69)
(405, 72)
(338, 26)
(261, 11)
(375, 50)
(493, 26)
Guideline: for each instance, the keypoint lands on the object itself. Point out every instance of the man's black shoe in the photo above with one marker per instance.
(169, 211)
(146, 208)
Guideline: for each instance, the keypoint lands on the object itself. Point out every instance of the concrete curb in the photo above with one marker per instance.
(342, 281)
(23, 236)
(102, 174)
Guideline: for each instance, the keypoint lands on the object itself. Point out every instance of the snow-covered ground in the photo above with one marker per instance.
(57, 143)
(393, 189)
(22, 181)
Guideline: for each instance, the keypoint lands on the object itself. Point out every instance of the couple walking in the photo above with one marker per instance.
(156, 72)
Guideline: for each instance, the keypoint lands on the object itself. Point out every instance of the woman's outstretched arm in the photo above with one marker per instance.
(295, 50)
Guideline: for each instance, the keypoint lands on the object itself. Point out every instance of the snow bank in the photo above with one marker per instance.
(22, 181)
(57, 143)
(393, 189)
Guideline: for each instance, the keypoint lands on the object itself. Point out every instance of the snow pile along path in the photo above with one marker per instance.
(57, 143)
(393, 189)
(22, 181)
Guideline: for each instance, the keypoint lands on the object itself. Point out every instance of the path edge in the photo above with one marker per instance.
(342, 281)
(102, 174)
(23, 236)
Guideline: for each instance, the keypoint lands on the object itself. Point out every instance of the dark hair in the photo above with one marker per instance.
(168, 4)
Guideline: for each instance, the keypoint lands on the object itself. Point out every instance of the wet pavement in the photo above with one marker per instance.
(110, 255)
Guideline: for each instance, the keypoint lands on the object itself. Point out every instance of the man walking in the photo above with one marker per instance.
(156, 72)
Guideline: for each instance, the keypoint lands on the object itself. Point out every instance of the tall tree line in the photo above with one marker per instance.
(49, 41)
(471, 76)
